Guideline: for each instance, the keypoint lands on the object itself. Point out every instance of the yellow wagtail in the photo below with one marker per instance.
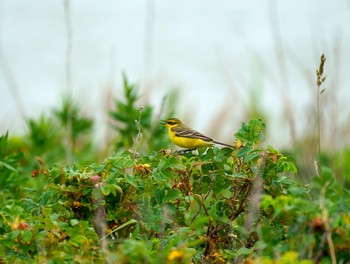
(185, 137)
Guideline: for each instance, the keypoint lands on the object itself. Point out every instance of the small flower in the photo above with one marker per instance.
(175, 254)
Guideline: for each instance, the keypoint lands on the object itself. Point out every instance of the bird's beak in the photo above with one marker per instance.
(163, 122)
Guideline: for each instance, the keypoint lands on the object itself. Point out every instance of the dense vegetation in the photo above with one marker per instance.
(140, 202)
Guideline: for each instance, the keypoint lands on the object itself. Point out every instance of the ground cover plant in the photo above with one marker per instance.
(144, 203)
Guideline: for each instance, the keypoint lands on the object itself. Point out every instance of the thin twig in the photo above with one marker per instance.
(204, 199)
(319, 81)
(139, 135)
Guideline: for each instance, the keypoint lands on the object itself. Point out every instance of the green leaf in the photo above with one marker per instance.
(118, 188)
(173, 194)
(86, 191)
(251, 133)
(100, 168)
(130, 222)
(8, 166)
(244, 251)
(78, 240)
(26, 235)
(170, 162)
(159, 195)
(243, 151)
(105, 189)
(29, 204)
(14, 234)
(168, 174)
(136, 232)
(223, 153)
(209, 153)
(74, 222)
(252, 155)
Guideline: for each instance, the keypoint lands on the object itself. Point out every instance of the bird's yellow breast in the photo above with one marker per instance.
(185, 142)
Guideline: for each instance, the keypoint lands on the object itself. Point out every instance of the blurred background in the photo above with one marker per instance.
(226, 60)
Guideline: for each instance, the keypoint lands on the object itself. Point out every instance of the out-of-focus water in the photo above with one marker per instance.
(214, 52)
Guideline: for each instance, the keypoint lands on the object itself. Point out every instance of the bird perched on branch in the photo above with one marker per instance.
(186, 137)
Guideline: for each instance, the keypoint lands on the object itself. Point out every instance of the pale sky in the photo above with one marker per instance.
(214, 52)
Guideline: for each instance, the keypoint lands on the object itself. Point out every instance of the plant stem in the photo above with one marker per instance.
(319, 80)
(319, 129)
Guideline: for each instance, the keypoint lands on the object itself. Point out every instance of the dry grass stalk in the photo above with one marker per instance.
(320, 79)
(139, 135)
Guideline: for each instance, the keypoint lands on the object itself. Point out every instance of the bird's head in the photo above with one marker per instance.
(172, 122)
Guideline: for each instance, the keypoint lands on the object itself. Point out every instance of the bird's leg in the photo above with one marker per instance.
(182, 151)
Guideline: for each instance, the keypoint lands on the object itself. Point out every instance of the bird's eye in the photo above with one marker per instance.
(171, 123)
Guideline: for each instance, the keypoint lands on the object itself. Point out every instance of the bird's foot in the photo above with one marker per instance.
(183, 151)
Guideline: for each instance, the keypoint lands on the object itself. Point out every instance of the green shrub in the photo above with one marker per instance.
(147, 204)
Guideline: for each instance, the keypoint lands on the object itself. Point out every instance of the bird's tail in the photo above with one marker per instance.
(223, 144)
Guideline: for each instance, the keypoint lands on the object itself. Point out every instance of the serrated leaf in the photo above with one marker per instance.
(170, 162)
(159, 195)
(29, 204)
(173, 194)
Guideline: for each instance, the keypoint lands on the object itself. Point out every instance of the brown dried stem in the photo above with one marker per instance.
(320, 79)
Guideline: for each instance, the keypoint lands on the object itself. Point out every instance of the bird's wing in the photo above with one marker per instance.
(190, 133)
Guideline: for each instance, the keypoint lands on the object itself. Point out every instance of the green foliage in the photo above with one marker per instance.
(134, 124)
(10, 178)
(144, 204)
(69, 115)
(42, 133)
(45, 139)
(48, 137)
(130, 118)
(251, 133)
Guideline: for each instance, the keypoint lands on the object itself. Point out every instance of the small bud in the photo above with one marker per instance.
(35, 173)
(23, 225)
(94, 179)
